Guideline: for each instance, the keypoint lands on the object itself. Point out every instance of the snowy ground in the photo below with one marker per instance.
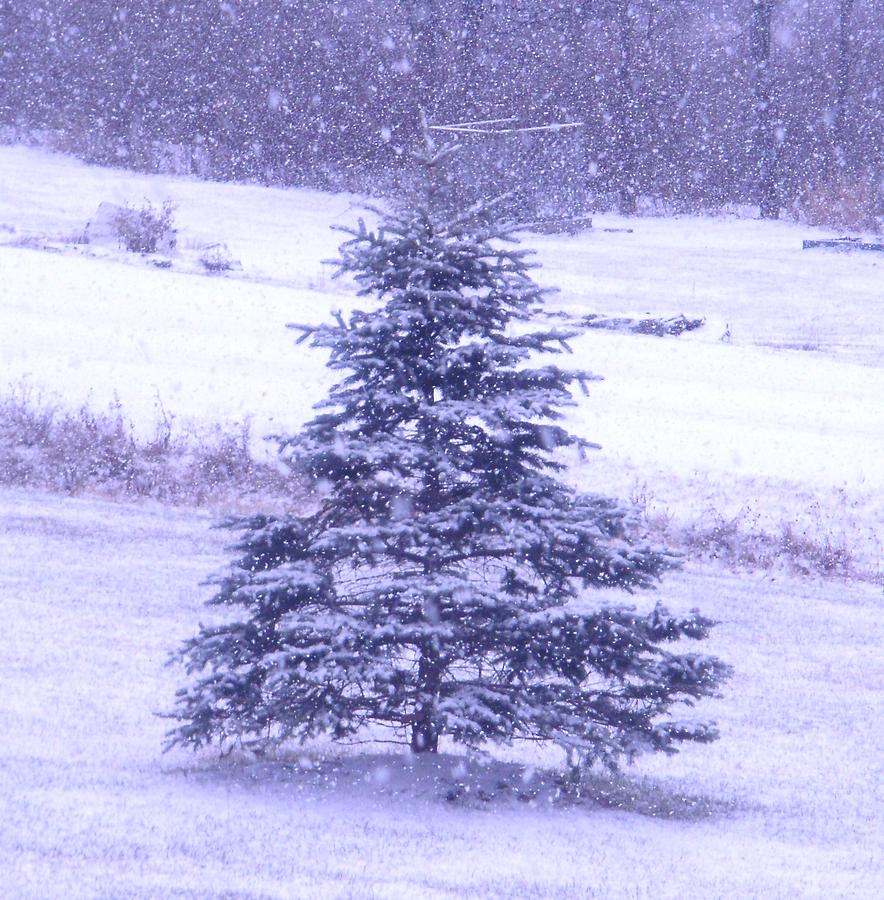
(94, 595)
(784, 422)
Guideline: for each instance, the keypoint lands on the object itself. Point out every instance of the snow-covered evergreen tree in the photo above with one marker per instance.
(447, 583)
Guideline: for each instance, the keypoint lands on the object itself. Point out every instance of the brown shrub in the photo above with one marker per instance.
(852, 203)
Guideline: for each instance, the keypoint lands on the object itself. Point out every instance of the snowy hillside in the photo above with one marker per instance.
(785, 422)
(782, 424)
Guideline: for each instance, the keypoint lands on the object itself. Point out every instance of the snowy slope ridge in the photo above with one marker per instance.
(782, 424)
(784, 805)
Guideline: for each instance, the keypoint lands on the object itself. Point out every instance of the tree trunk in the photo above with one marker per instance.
(764, 143)
(424, 738)
(625, 126)
(424, 734)
(843, 83)
(423, 21)
(466, 72)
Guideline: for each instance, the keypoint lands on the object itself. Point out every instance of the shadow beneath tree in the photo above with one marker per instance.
(476, 782)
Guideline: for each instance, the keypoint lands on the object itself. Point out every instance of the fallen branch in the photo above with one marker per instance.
(558, 225)
(844, 243)
(655, 325)
(674, 325)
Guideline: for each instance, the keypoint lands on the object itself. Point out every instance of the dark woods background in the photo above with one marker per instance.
(687, 104)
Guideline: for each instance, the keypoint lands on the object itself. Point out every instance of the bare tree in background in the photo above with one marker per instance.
(423, 22)
(684, 102)
(764, 137)
(843, 82)
(625, 111)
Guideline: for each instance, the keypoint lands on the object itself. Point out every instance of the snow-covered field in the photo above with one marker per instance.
(93, 595)
(784, 422)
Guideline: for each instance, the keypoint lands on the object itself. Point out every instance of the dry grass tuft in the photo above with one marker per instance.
(45, 447)
(741, 542)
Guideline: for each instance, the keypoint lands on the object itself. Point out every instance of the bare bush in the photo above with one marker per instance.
(146, 229)
(46, 447)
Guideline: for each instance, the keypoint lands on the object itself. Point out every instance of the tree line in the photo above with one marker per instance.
(688, 104)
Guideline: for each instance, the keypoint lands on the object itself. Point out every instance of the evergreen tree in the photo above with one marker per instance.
(445, 583)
